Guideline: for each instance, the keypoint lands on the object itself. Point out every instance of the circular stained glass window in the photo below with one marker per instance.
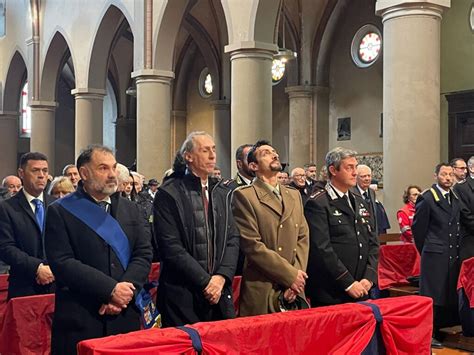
(278, 71)
(366, 46)
(205, 84)
(369, 47)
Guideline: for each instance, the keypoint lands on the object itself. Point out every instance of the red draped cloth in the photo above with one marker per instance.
(3, 296)
(396, 263)
(342, 329)
(26, 326)
(466, 280)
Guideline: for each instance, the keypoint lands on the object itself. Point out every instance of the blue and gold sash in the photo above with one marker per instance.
(101, 222)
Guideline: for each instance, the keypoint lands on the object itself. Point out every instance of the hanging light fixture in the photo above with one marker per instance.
(284, 54)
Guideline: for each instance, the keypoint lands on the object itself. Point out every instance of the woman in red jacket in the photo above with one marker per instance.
(406, 213)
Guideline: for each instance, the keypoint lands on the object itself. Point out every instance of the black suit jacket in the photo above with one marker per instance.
(21, 245)
(436, 233)
(87, 270)
(465, 192)
(372, 208)
(343, 246)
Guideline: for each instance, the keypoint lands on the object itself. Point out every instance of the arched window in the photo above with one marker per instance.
(205, 83)
(25, 118)
(3, 27)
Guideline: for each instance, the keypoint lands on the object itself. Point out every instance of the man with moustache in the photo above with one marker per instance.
(459, 169)
(71, 172)
(101, 257)
(22, 230)
(244, 175)
(436, 230)
(13, 184)
(344, 249)
(274, 236)
(197, 238)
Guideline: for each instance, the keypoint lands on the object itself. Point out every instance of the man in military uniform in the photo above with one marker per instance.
(436, 232)
(273, 236)
(244, 175)
(344, 249)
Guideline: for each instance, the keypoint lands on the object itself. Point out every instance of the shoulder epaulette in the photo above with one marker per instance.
(227, 182)
(290, 187)
(243, 187)
(435, 194)
(317, 193)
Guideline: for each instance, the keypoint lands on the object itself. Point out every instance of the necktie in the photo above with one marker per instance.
(349, 201)
(277, 194)
(448, 197)
(367, 197)
(39, 212)
(205, 201)
(104, 205)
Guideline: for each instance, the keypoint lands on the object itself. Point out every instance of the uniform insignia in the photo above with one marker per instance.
(337, 213)
(227, 182)
(317, 194)
(331, 192)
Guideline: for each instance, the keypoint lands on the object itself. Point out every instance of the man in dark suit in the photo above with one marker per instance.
(465, 191)
(101, 257)
(343, 252)
(244, 175)
(21, 230)
(436, 233)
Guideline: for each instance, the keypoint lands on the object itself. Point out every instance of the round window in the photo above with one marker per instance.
(366, 46)
(205, 83)
(278, 71)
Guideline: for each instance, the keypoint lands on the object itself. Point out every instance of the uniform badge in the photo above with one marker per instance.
(337, 213)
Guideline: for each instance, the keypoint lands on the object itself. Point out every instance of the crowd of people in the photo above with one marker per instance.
(91, 234)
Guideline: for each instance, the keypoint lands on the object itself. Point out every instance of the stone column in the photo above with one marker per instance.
(9, 132)
(321, 124)
(251, 94)
(153, 121)
(178, 130)
(89, 117)
(43, 130)
(301, 130)
(411, 95)
(222, 135)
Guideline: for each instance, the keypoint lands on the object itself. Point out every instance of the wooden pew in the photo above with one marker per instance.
(389, 238)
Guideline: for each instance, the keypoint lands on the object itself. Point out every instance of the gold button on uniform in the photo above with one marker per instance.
(280, 248)
(281, 225)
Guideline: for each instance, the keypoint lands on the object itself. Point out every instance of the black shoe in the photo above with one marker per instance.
(436, 344)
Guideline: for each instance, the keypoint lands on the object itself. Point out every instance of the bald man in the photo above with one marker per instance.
(12, 183)
(298, 181)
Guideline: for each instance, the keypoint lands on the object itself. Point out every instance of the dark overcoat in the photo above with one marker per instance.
(465, 192)
(87, 270)
(436, 230)
(21, 245)
(343, 246)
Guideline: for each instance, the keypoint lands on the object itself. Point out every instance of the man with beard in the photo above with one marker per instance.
(244, 175)
(197, 238)
(436, 233)
(344, 249)
(459, 169)
(98, 250)
(13, 184)
(274, 236)
(22, 229)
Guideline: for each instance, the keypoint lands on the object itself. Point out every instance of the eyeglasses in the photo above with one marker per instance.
(460, 167)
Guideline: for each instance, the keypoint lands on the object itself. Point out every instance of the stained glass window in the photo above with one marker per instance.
(369, 47)
(208, 84)
(278, 70)
(25, 113)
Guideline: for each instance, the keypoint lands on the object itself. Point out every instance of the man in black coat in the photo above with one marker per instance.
(465, 191)
(343, 253)
(101, 257)
(436, 232)
(21, 230)
(197, 238)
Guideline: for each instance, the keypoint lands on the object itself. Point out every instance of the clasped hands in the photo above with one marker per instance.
(44, 275)
(296, 287)
(121, 296)
(360, 288)
(213, 290)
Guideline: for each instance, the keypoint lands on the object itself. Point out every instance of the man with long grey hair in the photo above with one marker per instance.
(197, 238)
(343, 253)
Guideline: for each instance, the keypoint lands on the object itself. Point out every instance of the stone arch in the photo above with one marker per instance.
(183, 66)
(16, 77)
(111, 25)
(169, 24)
(56, 57)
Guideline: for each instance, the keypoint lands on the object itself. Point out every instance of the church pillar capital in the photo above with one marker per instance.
(392, 9)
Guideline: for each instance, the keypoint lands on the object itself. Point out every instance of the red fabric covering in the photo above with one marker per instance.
(396, 263)
(27, 325)
(466, 279)
(3, 296)
(344, 329)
